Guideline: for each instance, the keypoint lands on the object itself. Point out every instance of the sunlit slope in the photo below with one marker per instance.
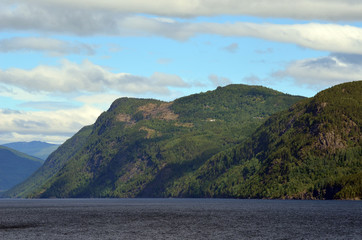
(310, 151)
(139, 147)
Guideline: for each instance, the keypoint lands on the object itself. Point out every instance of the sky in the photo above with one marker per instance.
(62, 62)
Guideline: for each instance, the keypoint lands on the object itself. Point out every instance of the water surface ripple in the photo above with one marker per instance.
(179, 219)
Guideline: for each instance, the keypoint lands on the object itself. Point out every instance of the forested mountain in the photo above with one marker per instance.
(313, 150)
(237, 141)
(141, 147)
(15, 167)
(35, 148)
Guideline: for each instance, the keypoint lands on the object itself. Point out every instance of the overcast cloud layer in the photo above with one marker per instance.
(319, 36)
(47, 45)
(335, 10)
(71, 77)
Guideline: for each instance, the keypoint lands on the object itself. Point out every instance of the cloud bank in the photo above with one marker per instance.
(318, 36)
(95, 86)
(322, 72)
(332, 10)
(49, 45)
(50, 126)
(47, 88)
(114, 18)
(87, 77)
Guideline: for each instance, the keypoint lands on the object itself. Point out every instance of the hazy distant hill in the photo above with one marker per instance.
(141, 146)
(313, 150)
(37, 149)
(52, 165)
(15, 167)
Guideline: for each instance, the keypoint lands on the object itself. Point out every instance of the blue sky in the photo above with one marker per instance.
(64, 62)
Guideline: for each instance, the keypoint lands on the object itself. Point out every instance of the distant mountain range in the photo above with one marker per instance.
(35, 148)
(15, 167)
(237, 141)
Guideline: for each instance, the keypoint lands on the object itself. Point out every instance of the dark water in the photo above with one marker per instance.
(179, 219)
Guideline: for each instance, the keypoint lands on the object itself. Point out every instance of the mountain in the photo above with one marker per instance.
(37, 149)
(52, 165)
(313, 150)
(139, 147)
(15, 167)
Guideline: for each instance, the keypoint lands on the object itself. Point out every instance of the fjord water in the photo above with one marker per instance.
(179, 219)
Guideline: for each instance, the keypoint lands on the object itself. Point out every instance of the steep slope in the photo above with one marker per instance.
(141, 146)
(51, 166)
(37, 149)
(311, 151)
(15, 167)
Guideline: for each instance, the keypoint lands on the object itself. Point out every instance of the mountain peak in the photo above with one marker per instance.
(311, 151)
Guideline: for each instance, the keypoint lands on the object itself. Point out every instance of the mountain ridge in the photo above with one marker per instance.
(237, 141)
(310, 151)
(137, 139)
(15, 167)
(37, 149)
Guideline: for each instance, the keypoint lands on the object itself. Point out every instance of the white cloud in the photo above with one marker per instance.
(52, 46)
(164, 79)
(87, 77)
(219, 81)
(326, 37)
(97, 99)
(92, 21)
(56, 91)
(301, 9)
(50, 126)
(57, 118)
(56, 20)
(19, 94)
(46, 105)
(322, 72)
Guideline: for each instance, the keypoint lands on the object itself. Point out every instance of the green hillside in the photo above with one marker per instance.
(311, 151)
(15, 167)
(140, 147)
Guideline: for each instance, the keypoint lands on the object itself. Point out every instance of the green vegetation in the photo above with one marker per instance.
(311, 151)
(237, 141)
(15, 167)
(141, 146)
